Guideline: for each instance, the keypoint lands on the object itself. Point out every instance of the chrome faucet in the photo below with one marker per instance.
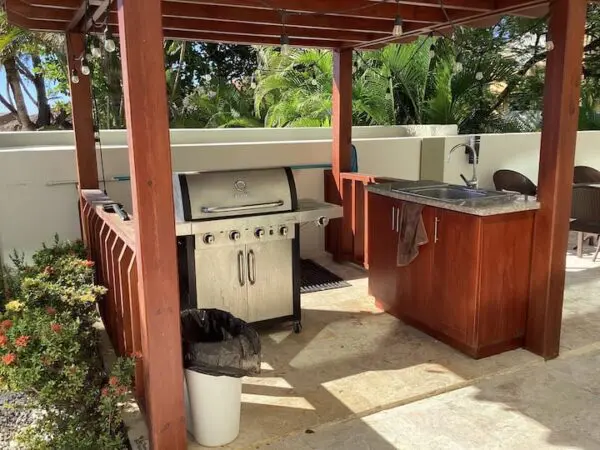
(473, 183)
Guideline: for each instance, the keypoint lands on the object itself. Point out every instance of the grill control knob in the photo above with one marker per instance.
(259, 232)
(283, 231)
(208, 238)
(235, 235)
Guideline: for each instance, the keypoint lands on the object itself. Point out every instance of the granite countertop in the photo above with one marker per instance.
(480, 207)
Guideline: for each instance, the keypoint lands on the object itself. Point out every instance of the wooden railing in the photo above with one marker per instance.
(347, 238)
(111, 244)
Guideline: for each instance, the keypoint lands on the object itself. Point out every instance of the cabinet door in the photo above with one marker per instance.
(456, 275)
(221, 280)
(270, 281)
(414, 286)
(383, 248)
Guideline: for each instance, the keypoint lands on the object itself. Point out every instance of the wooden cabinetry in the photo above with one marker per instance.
(383, 248)
(468, 287)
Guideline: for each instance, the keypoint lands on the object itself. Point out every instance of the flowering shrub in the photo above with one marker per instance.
(48, 349)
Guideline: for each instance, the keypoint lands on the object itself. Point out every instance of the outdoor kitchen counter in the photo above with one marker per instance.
(469, 283)
(481, 207)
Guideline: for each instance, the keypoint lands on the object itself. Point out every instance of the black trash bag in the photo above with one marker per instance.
(217, 343)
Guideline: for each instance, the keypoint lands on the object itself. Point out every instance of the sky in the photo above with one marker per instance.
(31, 108)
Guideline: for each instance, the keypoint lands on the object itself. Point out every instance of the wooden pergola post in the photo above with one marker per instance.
(557, 158)
(83, 122)
(341, 120)
(144, 86)
(341, 126)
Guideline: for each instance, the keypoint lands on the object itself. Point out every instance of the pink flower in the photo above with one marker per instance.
(50, 310)
(3, 340)
(9, 358)
(56, 327)
(22, 341)
(113, 381)
(88, 263)
(104, 392)
(6, 324)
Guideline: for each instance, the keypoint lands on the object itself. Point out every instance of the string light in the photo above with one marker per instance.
(109, 43)
(479, 76)
(74, 77)
(549, 45)
(95, 52)
(398, 30)
(85, 69)
(314, 81)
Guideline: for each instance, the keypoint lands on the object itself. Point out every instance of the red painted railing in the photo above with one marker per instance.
(346, 238)
(111, 243)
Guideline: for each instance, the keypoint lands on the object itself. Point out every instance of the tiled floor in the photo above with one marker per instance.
(356, 378)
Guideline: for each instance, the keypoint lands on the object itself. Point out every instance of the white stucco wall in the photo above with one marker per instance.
(37, 171)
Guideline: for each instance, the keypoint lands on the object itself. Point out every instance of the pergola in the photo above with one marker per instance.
(341, 25)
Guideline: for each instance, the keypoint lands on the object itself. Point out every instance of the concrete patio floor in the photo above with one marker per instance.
(357, 378)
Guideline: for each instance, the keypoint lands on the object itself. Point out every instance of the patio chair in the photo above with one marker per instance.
(509, 180)
(584, 174)
(585, 215)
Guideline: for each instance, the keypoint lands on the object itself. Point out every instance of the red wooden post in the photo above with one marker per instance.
(341, 119)
(341, 123)
(557, 157)
(144, 86)
(83, 125)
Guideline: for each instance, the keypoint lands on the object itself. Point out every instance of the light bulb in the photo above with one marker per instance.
(397, 30)
(96, 52)
(549, 46)
(458, 67)
(109, 45)
(74, 77)
(314, 82)
(285, 44)
(85, 69)
(479, 76)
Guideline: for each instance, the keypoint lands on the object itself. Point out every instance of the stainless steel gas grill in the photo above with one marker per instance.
(239, 241)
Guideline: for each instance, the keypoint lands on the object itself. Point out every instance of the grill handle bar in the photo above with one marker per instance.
(225, 209)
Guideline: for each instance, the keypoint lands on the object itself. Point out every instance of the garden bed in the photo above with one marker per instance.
(50, 355)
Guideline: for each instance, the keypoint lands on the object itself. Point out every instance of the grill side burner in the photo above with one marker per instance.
(238, 242)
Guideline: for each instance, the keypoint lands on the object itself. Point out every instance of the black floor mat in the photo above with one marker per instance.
(315, 278)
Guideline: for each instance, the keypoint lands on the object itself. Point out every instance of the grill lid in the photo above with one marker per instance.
(216, 195)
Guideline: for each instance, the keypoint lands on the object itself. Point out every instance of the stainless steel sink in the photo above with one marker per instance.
(452, 193)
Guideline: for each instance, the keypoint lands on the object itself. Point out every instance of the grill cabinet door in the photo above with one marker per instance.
(221, 279)
(270, 281)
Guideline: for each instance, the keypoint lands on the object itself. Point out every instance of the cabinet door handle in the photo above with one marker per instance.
(251, 267)
(435, 230)
(393, 218)
(241, 271)
(398, 220)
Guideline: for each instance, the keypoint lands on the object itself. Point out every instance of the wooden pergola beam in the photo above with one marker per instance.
(351, 8)
(146, 112)
(555, 183)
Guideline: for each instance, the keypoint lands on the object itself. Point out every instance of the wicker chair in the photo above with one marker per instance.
(584, 174)
(585, 215)
(509, 180)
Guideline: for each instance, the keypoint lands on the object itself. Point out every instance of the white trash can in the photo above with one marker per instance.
(214, 407)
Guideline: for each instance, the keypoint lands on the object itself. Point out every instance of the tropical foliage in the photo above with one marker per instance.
(49, 350)
(484, 80)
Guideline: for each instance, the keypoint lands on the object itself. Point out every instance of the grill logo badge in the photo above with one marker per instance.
(240, 186)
